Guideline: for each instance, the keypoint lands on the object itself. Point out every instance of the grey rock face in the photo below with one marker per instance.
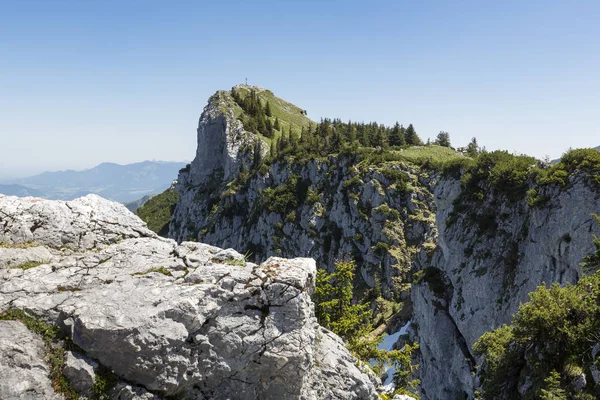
(23, 372)
(221, 138)
(167, 318)
(487, 274)
(84, 223)
(80, 371)
(368, 218)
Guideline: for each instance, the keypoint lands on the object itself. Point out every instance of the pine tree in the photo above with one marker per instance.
(293, 140)
(336, 140)
(552, 388)
(270, 132)
(396, 136)
(257, 153)
(282, 143)
(273, 152)
(473, 148)
(411, 137)
(350, 132)
(277, 126)
(268, 110)
(443, 139)
(379, 137)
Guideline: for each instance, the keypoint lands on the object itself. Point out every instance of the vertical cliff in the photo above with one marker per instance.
(490, 254)
(328, 208)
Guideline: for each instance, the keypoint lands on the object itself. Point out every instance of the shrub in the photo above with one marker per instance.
(554, 331)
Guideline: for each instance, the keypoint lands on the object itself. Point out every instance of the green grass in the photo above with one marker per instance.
(160, 270)
(289, 114)
(29, 264)
(24, 245)
(157, 211)
(428, 154)
(240, 263)
(431, 156)
(55, 355)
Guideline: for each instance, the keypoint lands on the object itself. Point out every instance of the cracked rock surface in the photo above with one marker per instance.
(23, 372)
(190, 320)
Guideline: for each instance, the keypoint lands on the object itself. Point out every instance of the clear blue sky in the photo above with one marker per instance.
(87, 81)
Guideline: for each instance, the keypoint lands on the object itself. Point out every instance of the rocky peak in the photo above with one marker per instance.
(224, 144)
(220, 139)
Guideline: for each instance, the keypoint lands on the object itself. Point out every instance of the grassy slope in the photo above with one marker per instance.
(290, 115)
(157, 211)
(422, 154)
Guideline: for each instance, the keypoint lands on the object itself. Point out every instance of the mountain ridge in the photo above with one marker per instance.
(399, 212)
(119, 182)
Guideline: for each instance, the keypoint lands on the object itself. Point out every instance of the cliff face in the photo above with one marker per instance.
(466, 265)
(222, 141)
(122, 313)
(338, 212)
(484, 267)
(327, 209)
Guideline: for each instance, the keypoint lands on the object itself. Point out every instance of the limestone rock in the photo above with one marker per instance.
(79, 371)
(23, 371)
(189, 319)
(487, 275)
(402, 397)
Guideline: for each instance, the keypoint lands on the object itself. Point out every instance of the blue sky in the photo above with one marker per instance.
(82, 82)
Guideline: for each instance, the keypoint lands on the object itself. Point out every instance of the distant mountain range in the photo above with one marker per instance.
(19, 190)
(123, 183)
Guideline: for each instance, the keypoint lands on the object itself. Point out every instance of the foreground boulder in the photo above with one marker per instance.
(145, 318)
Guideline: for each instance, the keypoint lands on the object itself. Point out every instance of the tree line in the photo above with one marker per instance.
(329, 136)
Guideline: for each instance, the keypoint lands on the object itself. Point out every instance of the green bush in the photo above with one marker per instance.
(500, 171)
(555, 331)
(583, 160)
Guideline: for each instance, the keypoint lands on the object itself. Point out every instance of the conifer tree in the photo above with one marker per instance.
(257, 153)
(282, 143)
(473, 148)
(268, 110)
(350, 132)
(273, 151)
(277, 126)
(293, 140)
(270, 132)
(336, 140)
(379, 137)
(303, 137)
(396, 136)
(411, 137)
(443, 139)
(365, 139)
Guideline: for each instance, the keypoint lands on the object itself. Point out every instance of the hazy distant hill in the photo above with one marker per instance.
(123, 183)
(19, 190)
(134, 205)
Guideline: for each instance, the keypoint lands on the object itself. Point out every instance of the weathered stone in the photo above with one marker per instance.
(172, 319)
(79, 371)
(489, 275)
(402, 397)
(23, 371)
